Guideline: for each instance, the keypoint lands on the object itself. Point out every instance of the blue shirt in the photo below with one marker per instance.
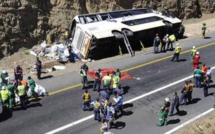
(119, 100)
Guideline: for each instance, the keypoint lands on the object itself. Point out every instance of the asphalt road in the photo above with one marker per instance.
(65, 107)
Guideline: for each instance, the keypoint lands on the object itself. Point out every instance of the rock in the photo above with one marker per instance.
(25, 22)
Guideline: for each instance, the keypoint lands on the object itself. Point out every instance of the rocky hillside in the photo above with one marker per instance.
(25, 22)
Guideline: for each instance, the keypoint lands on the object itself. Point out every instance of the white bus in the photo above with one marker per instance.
(101, 35)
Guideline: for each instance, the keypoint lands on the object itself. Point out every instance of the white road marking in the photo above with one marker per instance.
(189, 121)
(129, 101)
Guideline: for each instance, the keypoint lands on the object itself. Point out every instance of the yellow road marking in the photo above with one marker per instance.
(133, 68)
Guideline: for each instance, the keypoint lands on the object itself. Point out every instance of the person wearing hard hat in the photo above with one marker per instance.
(164, 113)
(196, 59)
(204, 28)
(4, 77)
(192, 54)
(177, 53)
(5, 96)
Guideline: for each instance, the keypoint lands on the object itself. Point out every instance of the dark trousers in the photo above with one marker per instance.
(18, 77)
(39, 74)
(183, 97)
(97, 83)
(198, 82)
(172, 109)
(176, 55)
(170, 44)
(84, 81)
(118, 109)
(163, 47)
(22, 102)
(97, 114)
(189, 96)
(205, 89)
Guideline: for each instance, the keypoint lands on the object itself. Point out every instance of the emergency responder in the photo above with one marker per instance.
(38, 68)
(106, 81)
(171, 40)
(116, 80)
(97, 82)
(11, 88)
(205, 87)
(87, 99)
(86, 68)
(118, 73)
(164, 113)
(22, 95)
(97, 109)
(66, 37)
(209, 73)
(110, 115)
(164, 43)
(104, 95)
(83, 77)
(31, 85)
(5, 96)
(193, 53)
(175, 104)
(119, 106)
(204, 69)
(196, 59)
(204, 28)
(104, 106)
(118, 90)
(18, 73)
(177, 53)
(183, 97)
(157, 42)
(4, 77)
(190, 91)
(197, 76)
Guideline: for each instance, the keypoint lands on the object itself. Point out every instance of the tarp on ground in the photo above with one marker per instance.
(109, 70)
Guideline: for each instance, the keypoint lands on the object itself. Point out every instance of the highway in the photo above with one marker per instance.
(158, 78)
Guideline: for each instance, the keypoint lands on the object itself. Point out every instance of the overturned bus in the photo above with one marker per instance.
(104, 34)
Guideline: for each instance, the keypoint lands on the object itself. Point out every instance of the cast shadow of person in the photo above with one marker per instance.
(5, 115)
(46, 77)
(173, 121)
(119, 125)
(125, 89)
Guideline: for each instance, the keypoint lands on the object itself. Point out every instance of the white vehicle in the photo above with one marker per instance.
(99, 35)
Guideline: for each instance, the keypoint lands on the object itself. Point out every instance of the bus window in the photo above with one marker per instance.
(81, 18)
(115, 14)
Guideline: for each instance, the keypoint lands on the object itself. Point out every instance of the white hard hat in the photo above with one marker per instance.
(197, 52)
(167, 99)
(3, 71)
(167, 35)
(194, 46)
(177, 44)
(3, 87)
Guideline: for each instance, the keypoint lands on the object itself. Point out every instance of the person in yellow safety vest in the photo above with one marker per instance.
(171, 40)
(106, 80)
(204, 28)
(190, 91)
(104, 126)
(66, 37)
(193, 52)
(83, 75)
(87, 99)
(116, 80)
(22, 95)
(106, 102)
(177, 53)
(5, 96)
(97, 108)
(184, 91)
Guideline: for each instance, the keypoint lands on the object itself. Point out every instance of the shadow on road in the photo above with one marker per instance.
(182, 60)
(125, 89)
(195, 100)
(46, 77)
(182, 113)
(5, 115)
(173, 121)
(127, 105)
(119, 125)
(207, 37)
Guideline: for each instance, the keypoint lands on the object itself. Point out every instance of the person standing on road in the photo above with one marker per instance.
(183, 97)
(175, 104)
(171, 40)
(106, 80)
(193, 53)
(177, 53)
(22, 95)
(97, 109)
(119, 106)
(39, 68)
(118, 73)
(87, 99)
(164, 113)
(164, 43)
(204, 28)
(157, 42)
(110, 115)
(86, 68)
(197, 76)
(116, 80)
(83, 75)
(31, 85)
(196, 59)
(97, 82)
(205, 88)
(11, 88)
(190, 91)
(5, 96)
